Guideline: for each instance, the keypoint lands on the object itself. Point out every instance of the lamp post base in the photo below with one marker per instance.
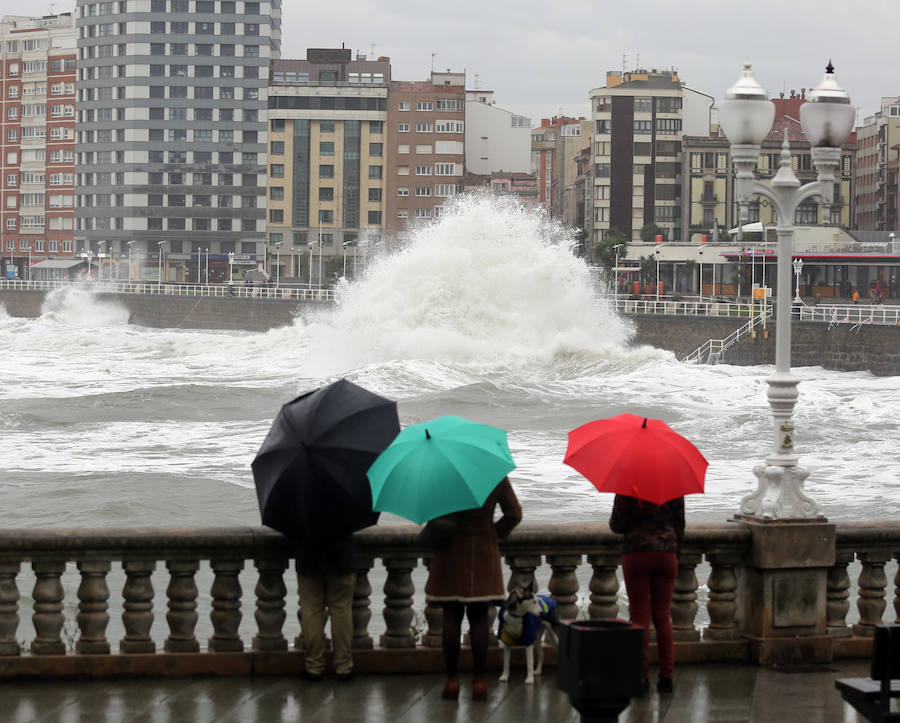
(779, 494)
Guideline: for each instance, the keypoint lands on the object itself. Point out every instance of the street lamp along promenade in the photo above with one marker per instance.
(745, 116)
(798, 267)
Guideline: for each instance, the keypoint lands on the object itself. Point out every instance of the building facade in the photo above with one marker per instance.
(709, 181)
(546, 162)
(520, 186)
(327, 158)
(426, 131)
(171, 147)
(37, 132)
(879, 143)
(496, 139)
(639, 120)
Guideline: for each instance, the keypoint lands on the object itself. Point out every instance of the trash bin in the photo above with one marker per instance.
(600, 666)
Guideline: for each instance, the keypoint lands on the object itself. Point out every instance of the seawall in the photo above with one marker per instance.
(181, 312)
(870, 347)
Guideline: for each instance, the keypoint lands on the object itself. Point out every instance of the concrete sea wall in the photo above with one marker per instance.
(870, 347)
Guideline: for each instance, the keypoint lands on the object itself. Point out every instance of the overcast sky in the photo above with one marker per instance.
(543, 58)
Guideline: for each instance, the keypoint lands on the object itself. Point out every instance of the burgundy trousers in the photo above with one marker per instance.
(650, 582)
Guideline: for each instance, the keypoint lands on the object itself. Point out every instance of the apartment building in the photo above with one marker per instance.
(520, 186)
(639, 120)
(426, 133)
(496, 139)
(546, 158)
(171, 147)
(708, 177)
(327, 158)
(37, 113)
(879, 143)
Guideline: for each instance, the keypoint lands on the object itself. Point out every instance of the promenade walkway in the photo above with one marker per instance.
(718, 692)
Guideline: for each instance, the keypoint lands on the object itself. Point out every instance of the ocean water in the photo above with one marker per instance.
(486, 314)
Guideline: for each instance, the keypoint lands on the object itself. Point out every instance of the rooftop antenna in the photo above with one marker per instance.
(433, 56)
(372, 54)
(476, 80)
(637, 61)
(624, 62)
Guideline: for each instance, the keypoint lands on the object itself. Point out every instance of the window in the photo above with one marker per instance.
(643, 126)
(276, 125)
(447, 104)
(424, 127)
(326, 171)
(375, 149)
(326, 126)
(423, 191)
(326, 193)
(374, 194)
(403, 127)
(276, 193)
(326, 216)
(445, 190)
(326, 148)
(276, 148)
(403, 105)
(449, 126)
(376, 127)
(374, 218)
(375, 171)
(424, 105)
(668, 126)
(445, 169)
(402, 191)
(604, 126)
(276, 170)
(423, 170)
(423, 213)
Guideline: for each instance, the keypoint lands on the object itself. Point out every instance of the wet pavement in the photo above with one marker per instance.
(712, 692)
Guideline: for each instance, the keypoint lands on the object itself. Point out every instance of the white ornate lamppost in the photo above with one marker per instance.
(616, 277)
(230, 266)
(277, 245)
(159, 255)
(745, 116)
(657, 271)
(798, 267)
(700, 254)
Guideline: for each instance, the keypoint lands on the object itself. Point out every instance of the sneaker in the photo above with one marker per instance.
(479, 689)
(311, 677)
(664, 685)
(344, 677)
(451, 689)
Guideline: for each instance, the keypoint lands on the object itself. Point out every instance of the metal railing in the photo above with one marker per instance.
(856, 315)
(711, 351)
(293, 292)
(668, 307)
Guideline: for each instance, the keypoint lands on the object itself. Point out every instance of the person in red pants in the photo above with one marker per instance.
(652, 539)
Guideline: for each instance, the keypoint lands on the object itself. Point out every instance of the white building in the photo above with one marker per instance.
(496, 139)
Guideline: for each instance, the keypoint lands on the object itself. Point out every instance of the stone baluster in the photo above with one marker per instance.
(226, 606)
(398, 598)
(872, 582)
(137, 615)
(563, 584)
(434, 618)
(93, 603)
(522, 569)
(604, 586)
(270, 595)
(722, 602)
(684, 598)
(362, 606)
(9, 608)
(182, 615)
(837, 595)
(48, 604)
(897, 590)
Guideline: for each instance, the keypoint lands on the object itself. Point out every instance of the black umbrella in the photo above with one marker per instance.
(310, 471)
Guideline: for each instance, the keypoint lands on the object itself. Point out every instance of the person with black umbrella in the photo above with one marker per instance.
(310, 476)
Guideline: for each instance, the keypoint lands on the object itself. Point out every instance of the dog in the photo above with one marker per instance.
(524, 619)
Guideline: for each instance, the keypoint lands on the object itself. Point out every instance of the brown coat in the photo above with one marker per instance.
(465, 566)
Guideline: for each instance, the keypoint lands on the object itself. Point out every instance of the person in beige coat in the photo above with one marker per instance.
(466, 577)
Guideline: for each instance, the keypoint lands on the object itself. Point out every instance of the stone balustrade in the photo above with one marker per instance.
(580, 564)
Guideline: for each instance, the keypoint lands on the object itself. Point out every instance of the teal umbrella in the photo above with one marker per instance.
(438, 467)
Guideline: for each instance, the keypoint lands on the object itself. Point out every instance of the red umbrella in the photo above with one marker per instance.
(637, 457)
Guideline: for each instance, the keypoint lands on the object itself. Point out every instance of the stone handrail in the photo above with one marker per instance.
(583, 561)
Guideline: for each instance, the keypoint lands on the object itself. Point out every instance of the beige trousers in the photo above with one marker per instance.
(334, 592)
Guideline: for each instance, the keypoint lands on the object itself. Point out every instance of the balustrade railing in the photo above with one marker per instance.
(578, 564)
(294, 292)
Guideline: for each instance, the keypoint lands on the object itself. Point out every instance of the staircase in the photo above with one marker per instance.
(711, 351)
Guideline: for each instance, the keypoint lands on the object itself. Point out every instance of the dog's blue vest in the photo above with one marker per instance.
(530, 623)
